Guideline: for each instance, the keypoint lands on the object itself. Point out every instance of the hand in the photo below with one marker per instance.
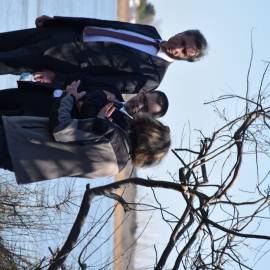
(40, 20)
(106, 111)
(45, 76)
(72, 89)
(110, 96)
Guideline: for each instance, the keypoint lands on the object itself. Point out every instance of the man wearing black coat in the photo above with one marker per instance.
(129, 57)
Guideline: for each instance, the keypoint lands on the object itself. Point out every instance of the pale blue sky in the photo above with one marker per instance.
(227, 26)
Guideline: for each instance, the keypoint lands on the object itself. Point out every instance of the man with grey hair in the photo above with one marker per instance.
(129, 57)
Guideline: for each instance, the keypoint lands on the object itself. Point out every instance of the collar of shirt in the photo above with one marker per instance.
(164, 56)
(123, 110)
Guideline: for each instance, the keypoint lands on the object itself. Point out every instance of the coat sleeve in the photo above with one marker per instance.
(125, 84)
(82, 22)
(67, 129)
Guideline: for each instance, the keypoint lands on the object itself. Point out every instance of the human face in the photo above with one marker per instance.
(143, 102)
(180, 47)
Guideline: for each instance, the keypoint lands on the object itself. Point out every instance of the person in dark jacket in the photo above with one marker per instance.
(129, 57)
(35, 99)
(38, 148)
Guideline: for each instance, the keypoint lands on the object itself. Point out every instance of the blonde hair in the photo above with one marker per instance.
(150, 140)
